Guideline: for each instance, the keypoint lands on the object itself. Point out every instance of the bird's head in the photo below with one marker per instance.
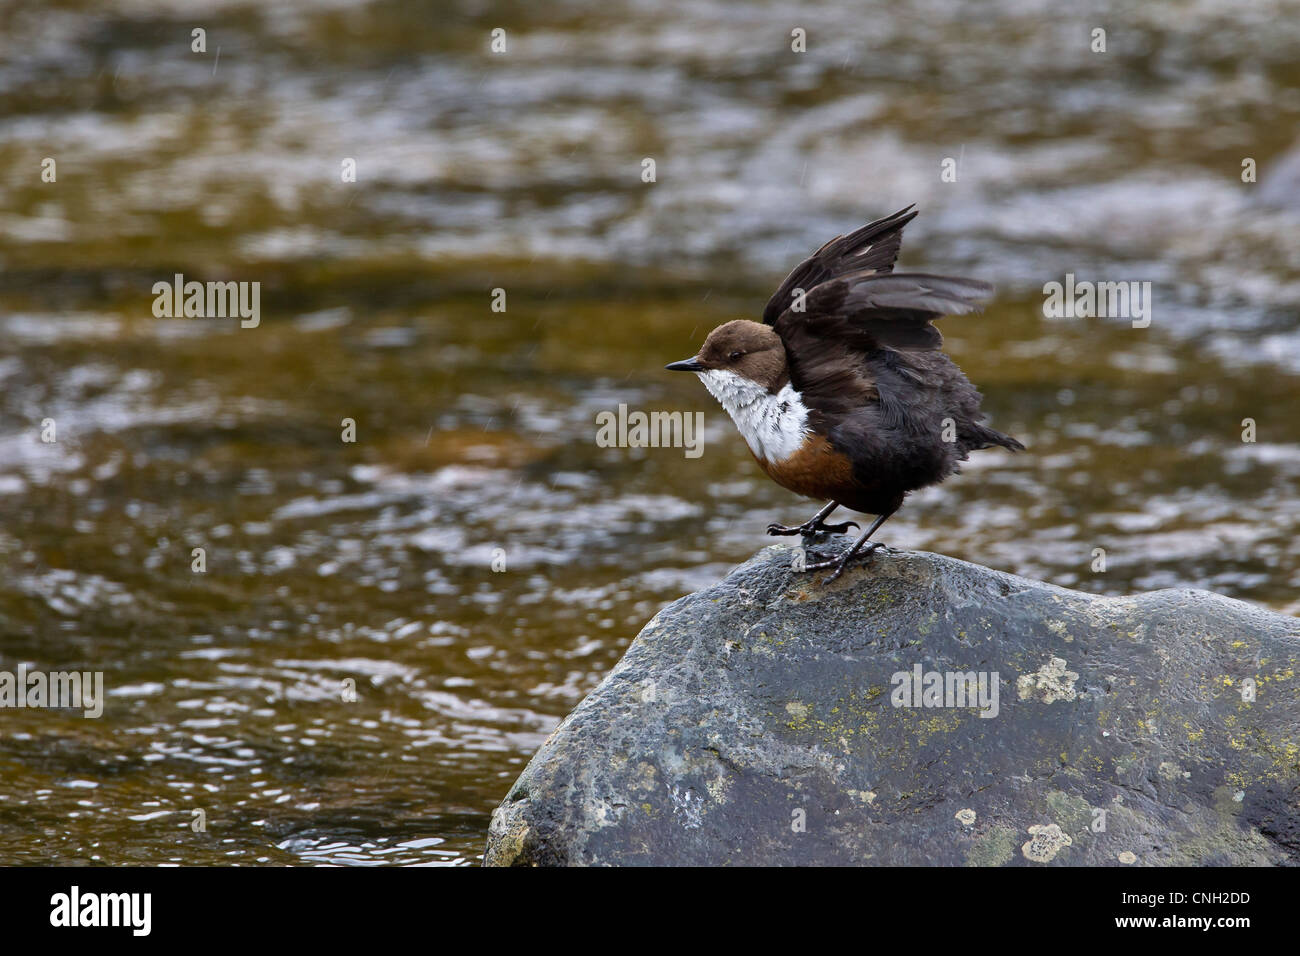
(750, 350)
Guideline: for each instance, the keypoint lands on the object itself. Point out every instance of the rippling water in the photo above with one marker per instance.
(380, 561)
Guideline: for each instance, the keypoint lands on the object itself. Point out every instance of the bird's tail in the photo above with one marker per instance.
(981, 436)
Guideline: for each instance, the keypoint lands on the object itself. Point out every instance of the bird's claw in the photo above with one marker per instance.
(841, 528)
(809, 529)
(842, 562)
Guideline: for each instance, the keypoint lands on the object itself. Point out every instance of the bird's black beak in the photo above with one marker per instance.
(686, 365)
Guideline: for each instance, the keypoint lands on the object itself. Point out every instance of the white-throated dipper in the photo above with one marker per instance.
(842, 392)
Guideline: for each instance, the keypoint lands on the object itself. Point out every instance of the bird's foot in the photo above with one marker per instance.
(841, 528)
(842, 562)
(810, 529)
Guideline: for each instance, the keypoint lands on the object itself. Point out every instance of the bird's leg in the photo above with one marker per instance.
(840, 563)
(814, 525)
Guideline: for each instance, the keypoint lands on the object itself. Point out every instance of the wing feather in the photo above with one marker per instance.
(870, 250)
(864, 312)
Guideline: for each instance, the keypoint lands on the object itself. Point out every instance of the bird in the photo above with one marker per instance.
(842, 391)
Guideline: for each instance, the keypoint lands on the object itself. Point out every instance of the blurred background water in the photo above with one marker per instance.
(476, 429)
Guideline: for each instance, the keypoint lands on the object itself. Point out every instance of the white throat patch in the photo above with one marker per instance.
(774, 426)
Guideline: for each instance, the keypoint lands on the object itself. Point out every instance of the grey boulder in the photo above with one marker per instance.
(925, 711)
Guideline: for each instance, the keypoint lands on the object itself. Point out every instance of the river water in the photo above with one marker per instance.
(474, 562)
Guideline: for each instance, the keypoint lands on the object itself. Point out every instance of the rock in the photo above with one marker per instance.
(765, 721)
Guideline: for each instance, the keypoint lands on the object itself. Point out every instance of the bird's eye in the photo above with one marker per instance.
(734, 355)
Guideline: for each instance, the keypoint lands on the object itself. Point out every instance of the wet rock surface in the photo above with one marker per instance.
(773, 719)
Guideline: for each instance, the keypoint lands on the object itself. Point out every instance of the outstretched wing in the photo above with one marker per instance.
(848, 348)
(861, 345)
(847, 341)
(864, 312)
(870, 250)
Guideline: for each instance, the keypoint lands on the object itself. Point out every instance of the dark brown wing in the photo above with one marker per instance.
(870, 250)
(861, 314)
(865, 311)
(850, 348)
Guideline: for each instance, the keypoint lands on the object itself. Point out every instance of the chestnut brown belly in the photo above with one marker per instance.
(816, 470)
